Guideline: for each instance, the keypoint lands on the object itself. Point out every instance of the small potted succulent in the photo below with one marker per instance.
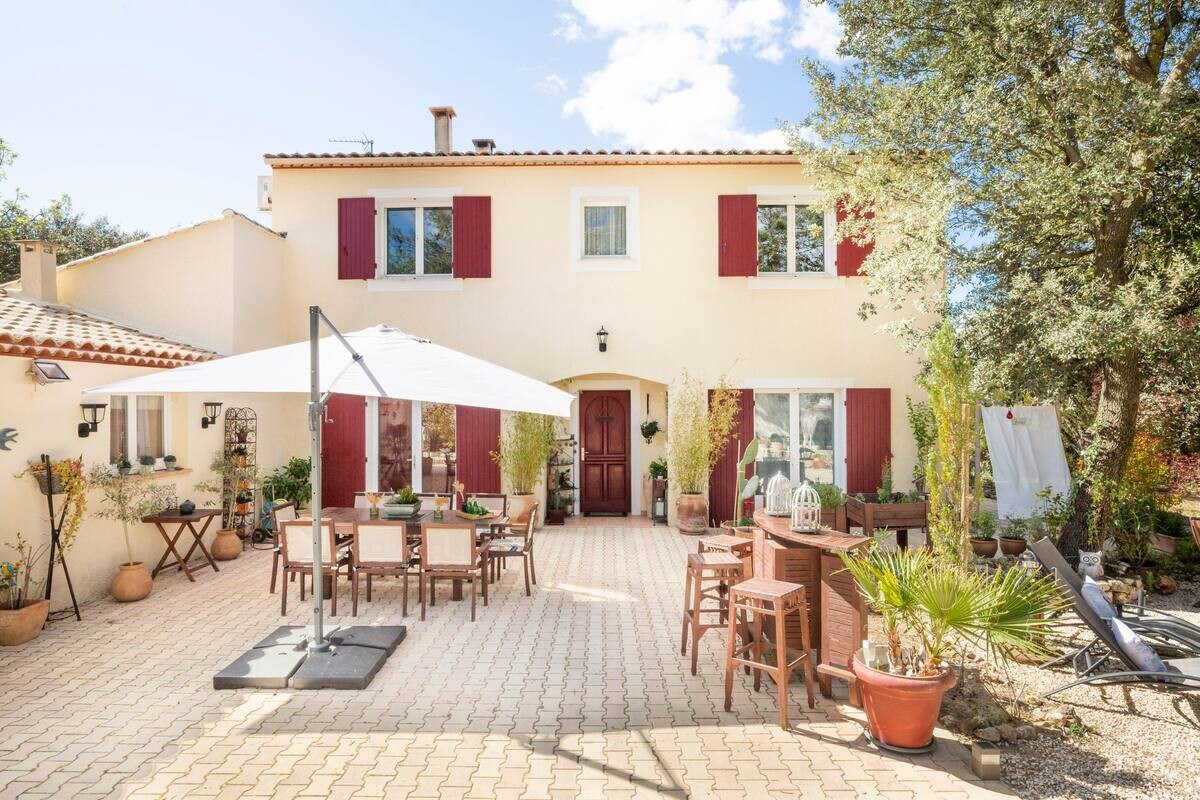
(169, 462)
(123, 466)
(403, 503)
(146, 464)
(983, 534)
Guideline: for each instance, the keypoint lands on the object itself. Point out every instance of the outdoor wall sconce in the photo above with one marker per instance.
(602, 338)
(93, 415)
(211, 410)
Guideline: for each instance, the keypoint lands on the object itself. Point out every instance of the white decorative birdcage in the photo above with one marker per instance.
(779, 496)
(806, 509)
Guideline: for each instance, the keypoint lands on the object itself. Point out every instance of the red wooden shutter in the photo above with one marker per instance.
(343, 449)
(356, 238)
(477, 431)
(737, 235)
(473, 237)
(868, 437)
(722, 481)
(850, 256)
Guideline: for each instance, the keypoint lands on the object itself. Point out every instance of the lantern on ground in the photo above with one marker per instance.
(779, 496)
(806, 509)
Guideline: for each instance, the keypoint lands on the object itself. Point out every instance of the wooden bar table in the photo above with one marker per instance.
(837, 613)
(185, 523)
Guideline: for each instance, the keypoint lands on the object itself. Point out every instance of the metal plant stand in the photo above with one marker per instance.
(56, 524)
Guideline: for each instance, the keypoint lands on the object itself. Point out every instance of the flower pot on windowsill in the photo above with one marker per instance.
(227, 546)
(20, 625)
(1012, 547)
(902, 711)
(131, 583)
(984, 548)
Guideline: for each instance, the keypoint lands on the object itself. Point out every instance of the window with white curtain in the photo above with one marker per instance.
(604, 228)
(604, 232)
(138, 426)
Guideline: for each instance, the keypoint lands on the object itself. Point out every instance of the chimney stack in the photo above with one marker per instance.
(39, 269)
(484, 147)
(443, 137)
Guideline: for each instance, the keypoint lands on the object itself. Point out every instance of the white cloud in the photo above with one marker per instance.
(665, 84)
(552, 84)
(568, 28)
(818, 30)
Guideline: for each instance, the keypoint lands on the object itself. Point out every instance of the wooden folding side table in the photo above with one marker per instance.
(185, 523)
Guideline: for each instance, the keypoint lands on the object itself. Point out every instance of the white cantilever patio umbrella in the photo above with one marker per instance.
(374, 362)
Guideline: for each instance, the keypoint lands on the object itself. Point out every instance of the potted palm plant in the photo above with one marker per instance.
(939, 607)
(128, 502)
(697, 436)
(525, 447)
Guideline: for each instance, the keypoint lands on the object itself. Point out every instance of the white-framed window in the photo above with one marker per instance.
(604, 228)
(139, 425)
(801, 433)
(414, 237)
(794, 238)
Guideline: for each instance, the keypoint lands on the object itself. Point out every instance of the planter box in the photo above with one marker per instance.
(1165, 544)
(835, 518)
(887, 515)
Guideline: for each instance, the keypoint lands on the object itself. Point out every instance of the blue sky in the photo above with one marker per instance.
(157, 114)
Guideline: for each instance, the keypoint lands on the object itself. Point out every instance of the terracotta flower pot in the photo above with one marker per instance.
(1012, 547)
(132, 582)
(691, 511)
(20, 625)
(901, 711)
(984, 548)
(227, 546)
(519, 506)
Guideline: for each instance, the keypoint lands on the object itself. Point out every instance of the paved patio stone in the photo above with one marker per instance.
(576, 692)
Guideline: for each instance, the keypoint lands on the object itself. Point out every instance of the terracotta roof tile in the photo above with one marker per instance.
(38, 330)
(510, 153)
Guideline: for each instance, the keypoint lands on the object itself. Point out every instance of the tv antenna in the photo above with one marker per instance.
(365, 143)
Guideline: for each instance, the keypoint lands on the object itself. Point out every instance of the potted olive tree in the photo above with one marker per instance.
(938, 607)
(128, 502)
(696, 438)
(525, 447)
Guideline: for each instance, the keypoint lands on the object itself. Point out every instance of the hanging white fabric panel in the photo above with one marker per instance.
(1027, 457)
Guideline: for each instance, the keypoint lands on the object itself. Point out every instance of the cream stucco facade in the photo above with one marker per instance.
(230, 285)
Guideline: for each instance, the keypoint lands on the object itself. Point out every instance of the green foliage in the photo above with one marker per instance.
(1004, 612)
(924, 431)
(525, 447)
(831, 495)
(649, 429)
(949, 383)
(127, 500)
(1041, 159)
(699, 430)
(229, 478)
(291, 482)
(404, 497)
(473, 506)
(658, 468)
(983, 525)
(746, 488)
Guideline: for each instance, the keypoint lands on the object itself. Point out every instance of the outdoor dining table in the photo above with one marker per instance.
(185, 523)
(344, 519)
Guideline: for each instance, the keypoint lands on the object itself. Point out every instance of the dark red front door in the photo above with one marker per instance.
(604, 433)
(343, 449)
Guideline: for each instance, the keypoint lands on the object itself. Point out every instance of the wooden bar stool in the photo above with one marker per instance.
(765, 597)
(734, 545)
(721, 569)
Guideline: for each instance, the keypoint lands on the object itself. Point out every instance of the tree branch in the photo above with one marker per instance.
(1127, 56)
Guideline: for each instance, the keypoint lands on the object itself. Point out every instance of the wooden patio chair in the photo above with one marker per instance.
(451, 551)
(494, 502)
(298, 557)
(517, 543)
(360, 500)
(279, 515)
(427, 500)
(380, 547)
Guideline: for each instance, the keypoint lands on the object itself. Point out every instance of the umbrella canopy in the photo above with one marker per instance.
(393, 364)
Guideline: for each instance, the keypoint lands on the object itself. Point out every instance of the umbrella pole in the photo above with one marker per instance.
(317, 643)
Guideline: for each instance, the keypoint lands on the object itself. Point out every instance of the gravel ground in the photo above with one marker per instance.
(1127, 742)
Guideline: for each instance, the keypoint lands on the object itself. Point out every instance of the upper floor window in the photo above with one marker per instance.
(137, 427)
(604, 228)
(793, 238)
(419, 240)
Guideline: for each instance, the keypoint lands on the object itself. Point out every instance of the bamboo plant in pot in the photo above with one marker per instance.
(525, 447)
(699, 431)
(232, 480)
(128, 501)
(938, 607)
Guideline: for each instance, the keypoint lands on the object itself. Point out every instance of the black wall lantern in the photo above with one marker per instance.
(602, 338)
(211, 410)
(93, 415)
